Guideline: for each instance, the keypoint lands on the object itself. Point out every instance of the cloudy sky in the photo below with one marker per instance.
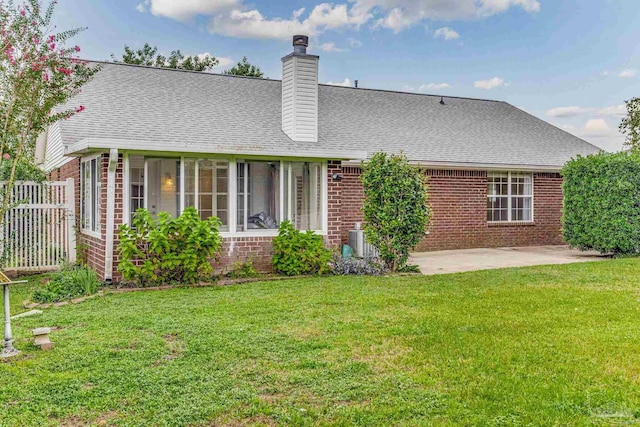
(570, 62)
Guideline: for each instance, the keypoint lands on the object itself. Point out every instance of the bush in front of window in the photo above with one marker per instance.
(297, 253)
(395, 209)
(167, 249)
(602, 203)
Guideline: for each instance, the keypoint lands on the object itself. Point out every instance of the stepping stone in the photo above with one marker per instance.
(26, 314)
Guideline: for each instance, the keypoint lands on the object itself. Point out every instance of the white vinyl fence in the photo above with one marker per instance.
(38, 232)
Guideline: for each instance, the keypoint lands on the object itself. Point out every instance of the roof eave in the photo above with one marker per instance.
(90, 145)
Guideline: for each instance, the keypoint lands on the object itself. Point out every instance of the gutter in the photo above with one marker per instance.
(88, 145)
(111, 201)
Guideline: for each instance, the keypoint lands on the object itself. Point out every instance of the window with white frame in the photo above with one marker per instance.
(509, 196)
(263, 192)
(258, 195)
(90, 194)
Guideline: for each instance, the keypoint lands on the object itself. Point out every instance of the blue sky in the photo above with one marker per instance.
(570, 62)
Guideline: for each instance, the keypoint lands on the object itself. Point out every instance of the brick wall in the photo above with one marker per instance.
(459, 220)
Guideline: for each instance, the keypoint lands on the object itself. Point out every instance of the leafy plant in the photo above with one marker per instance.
(297, 253)
(242, 270)
(396, 210)
(166, 249)
(630, 125)
(601, 207)
(357, 266)
(68, 283)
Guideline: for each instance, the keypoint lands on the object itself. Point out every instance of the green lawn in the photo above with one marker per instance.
(553, 345)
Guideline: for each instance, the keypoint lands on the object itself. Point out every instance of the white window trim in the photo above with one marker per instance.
(233, 191)
(510, 197)
(83, 229)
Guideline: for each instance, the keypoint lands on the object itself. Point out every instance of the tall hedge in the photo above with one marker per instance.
(602, 203)
(395, 209)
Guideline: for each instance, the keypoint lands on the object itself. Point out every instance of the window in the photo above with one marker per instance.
(509, 196)
(207, 188)
(136, 185)
(303, 189)
(246, 195)
(164, 186)
(90, 194)
(258, 189)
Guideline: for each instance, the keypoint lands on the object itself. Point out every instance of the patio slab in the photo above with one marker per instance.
(454, 261)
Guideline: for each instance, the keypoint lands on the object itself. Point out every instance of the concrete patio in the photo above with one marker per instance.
(455, 261)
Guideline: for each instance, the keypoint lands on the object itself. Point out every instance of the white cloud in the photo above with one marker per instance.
(236, 19)
(141, 7)
(223, 63)
(627, 74)
(566, 111)
(185, 10)
(396, 20)
(346, 82)
(252, 24)
(446, 33)
(489, 84)
(354, 42)
(615, 110)
(596, 127)
(331, 47)
(434, 86)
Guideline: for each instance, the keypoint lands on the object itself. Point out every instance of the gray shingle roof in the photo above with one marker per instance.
(183, 108)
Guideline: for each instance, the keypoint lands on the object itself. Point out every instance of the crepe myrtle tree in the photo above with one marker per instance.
(39, 74)
(396, 210)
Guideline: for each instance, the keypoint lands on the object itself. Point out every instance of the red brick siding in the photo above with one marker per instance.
(459, 220)
(459, 202)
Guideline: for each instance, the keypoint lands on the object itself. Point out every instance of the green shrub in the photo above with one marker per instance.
(166, 249)
(602, 203)
(68, 283)
(297, 253)
(242, 270)
(395, 209)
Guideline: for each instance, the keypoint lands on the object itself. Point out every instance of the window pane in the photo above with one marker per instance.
(164, 186)
(497, 184)
(497, 209)
(304, 195)
(521, 209)
(262, 195)
(189, 182)
(136, 185)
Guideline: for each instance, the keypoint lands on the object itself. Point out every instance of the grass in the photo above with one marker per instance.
(550, 345)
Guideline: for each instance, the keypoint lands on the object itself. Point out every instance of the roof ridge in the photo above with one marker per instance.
(151, 67)
(410, 93)
(280, 80)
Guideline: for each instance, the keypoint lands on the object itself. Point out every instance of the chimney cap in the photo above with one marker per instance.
(301, 40)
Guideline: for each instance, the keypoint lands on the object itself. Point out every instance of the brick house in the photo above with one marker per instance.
(257, 151)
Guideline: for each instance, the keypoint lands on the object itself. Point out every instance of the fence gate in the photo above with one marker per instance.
(38, 233)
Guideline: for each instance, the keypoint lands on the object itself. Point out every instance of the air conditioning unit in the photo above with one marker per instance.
(361, 248)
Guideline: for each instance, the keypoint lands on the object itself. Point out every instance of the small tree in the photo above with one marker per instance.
(148, 56)
(630, 125)
(38, 76)
(396, 210)
(244, 68)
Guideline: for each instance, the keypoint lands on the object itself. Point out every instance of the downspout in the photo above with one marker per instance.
(111, 201)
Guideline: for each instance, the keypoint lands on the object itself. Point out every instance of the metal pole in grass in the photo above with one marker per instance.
(8, 349)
